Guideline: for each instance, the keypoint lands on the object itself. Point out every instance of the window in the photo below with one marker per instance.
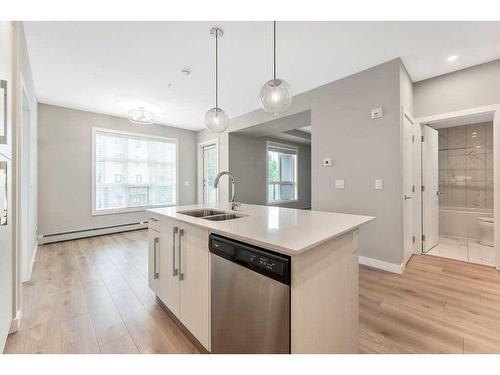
(132, 171)
(281, 173)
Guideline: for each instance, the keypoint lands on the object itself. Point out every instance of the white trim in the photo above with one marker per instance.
(32, 263)
(289, 147)
(23, 179)
(462, 113)
(495, 109)
(380, 264)
(199, 159)
(42, 240)
(16, 322)
(96, 212)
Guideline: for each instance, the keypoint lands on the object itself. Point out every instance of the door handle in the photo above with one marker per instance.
(439, 192)
(155, 254)
(181, 274)
(174, 232)
(407, 197)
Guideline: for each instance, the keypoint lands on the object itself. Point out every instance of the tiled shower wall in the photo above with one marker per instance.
(466, 166)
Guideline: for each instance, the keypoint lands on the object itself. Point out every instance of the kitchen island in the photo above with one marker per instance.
(322, 249)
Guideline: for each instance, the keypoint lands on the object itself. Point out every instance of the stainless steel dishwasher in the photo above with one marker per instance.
(250, 298)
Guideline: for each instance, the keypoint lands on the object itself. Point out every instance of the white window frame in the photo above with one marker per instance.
(108, 211)
(276, 145)
(202, 145)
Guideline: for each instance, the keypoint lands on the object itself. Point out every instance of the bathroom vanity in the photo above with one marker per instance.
(320, 250)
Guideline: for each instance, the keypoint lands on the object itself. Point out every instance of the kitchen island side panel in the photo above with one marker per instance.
(325, 298)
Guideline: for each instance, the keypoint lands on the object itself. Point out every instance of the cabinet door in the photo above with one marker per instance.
(154, 260)
(168, 288)
(194, 284)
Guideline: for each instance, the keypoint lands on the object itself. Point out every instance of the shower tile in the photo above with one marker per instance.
(489, 195)
(442, 139)
(443, 165)
(475, 135)
(456, 137)
(457, 151)
(488, 133)
(443, 197)
(489, 166)
(456, 169)
(475, 167)
(476, 194)
(456, 195)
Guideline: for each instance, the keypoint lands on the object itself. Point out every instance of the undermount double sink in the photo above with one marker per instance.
(209, 214)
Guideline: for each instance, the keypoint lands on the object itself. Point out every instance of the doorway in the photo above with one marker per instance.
(209, 167)
(458, 181)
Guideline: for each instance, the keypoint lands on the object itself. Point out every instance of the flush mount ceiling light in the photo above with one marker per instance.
(216, 119)
(141, 116)
(452, 58)
(275, 95)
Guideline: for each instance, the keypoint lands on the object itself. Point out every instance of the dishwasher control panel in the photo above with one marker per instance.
(276, 266)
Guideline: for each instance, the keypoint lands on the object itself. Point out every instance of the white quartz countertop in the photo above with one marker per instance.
(285, 230)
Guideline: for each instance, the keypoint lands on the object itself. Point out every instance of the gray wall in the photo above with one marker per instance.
(247, 163)
(64, 162)
(468, 88)
(363, 150)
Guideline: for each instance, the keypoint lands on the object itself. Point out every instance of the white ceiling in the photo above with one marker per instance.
(111, 67)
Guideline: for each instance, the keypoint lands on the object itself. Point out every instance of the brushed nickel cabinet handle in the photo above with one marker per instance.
(155, 247)
(174, 270)
(181, 274)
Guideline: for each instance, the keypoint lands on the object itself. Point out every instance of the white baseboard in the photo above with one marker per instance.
(32, 263)
(380, 264)
(44, 239)
(16, 323)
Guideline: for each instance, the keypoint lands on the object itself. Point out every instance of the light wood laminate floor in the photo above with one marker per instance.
(91, 296)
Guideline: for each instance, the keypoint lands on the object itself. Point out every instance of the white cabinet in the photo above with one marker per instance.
(168, 290)
(154, 260)
(183, 280)
(194, 281)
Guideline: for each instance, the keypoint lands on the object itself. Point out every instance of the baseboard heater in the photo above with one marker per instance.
(83, 233)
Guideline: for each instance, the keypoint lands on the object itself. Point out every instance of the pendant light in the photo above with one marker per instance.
(275, 95)
(216, 119)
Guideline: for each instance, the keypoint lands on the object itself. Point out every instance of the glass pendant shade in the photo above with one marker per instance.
(275, 96)
(216, 120)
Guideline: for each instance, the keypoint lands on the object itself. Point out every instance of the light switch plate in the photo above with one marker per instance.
(379, 184)
(339, 184)
(328, 162)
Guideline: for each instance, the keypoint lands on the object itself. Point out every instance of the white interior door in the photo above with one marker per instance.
(408, 188)
(430, 181)
(209, 157)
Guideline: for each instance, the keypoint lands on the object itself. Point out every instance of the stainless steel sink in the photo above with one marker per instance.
(222, 217)
(201, 212)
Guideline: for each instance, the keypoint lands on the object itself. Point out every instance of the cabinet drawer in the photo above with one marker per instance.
(154, 222)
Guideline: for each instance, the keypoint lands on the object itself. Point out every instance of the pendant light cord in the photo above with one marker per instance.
(274, 49)
(216, 69)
